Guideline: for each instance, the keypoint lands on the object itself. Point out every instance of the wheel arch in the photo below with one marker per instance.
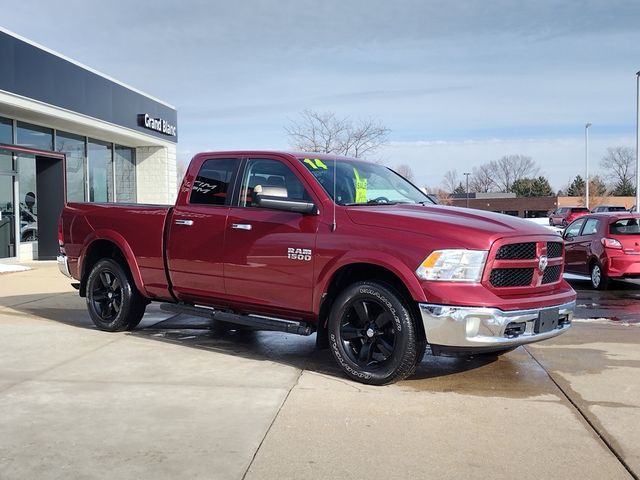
(352, 272)
(99, 247)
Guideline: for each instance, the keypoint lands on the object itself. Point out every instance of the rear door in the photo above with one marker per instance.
(270, 253)
(197, 229)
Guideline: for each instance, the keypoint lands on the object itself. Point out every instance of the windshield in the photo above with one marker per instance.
(363, 183)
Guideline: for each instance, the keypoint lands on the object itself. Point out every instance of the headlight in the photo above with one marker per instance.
(453, 266)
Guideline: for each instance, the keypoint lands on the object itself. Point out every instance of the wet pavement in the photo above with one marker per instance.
(178, 398)
(621, 302)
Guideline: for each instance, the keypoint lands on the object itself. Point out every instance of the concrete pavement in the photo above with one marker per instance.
(171, 400)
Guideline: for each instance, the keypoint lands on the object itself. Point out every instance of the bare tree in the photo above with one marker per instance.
(451, 180)
(181, 170)
(326, 133)
(510, 168)
(619, 162)
(482, 179)
(406, 171)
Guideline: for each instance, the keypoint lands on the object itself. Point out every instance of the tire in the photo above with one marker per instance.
(564, 223)
(113, 301)
(372, 334)
(599, 279)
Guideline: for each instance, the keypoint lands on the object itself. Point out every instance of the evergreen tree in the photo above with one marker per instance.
(532, 187)
(576, 188)
(460, 190)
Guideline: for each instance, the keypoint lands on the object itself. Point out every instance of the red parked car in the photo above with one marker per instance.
(563, 216)
(604, 246)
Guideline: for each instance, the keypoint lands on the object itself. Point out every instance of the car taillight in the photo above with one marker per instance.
(611, 243)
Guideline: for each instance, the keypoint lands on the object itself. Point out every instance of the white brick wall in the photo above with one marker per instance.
(156, 174)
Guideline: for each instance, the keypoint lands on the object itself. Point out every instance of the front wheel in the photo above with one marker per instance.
(113, 302)
(599, 279)
(373, 335)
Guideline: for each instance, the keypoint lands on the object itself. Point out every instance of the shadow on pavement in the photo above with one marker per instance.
(512, 375)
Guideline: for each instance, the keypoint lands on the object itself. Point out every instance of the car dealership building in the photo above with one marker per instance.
(64, 123)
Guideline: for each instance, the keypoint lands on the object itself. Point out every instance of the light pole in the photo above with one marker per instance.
(638, 142)
(586, 164)
(466, 174)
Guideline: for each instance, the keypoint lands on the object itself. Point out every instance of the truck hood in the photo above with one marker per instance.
(460, 227)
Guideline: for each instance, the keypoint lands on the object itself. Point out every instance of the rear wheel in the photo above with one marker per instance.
(373, 335)
(599, 279)
(113, 302)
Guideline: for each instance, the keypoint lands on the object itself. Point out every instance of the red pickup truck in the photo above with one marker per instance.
(306, 243)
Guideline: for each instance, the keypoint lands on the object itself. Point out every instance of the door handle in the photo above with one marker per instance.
(181, 221)
(241, 226)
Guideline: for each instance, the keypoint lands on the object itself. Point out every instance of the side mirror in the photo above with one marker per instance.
(276, 199)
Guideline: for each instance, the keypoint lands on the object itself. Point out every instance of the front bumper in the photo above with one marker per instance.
(63, 265)
(469, 329)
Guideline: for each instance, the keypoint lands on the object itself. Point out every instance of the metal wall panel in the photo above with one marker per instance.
(37, 74)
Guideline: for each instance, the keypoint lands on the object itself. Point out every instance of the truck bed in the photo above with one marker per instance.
(137, 229)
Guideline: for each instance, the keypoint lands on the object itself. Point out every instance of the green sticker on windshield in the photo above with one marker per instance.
(310, 162)
(361, 188)
(316, 163)
(319, 164)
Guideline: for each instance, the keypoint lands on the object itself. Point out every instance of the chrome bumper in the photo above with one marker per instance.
(63, 265)
(468, 328)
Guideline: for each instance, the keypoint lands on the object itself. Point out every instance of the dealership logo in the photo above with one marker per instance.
(156, 124)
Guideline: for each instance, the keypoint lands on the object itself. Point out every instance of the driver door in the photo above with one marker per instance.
(270, 253)
(572, 239)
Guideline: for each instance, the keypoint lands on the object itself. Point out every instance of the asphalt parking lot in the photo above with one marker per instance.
(174, 399)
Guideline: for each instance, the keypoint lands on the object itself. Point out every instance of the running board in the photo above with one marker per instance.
(257, 322)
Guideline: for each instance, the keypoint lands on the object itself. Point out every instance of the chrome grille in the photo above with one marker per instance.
(511, 277)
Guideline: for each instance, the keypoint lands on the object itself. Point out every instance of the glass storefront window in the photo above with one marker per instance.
(6, 161)
(6, 130)
(28, 198)
(125, 159)
(73, 146)
(100, 160)
(7, 212)
(34, 136)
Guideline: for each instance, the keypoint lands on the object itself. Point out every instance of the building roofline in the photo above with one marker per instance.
(83, 66)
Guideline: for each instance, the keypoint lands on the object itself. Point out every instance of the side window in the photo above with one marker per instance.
(212, 184)
(591, 226)
(271, 177)
(574, 229)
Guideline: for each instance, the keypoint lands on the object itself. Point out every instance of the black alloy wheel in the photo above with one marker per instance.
(367, 333)
(107, 295)
(113, 301)
(373, 335)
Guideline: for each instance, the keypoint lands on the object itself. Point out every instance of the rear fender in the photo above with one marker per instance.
(120, 242)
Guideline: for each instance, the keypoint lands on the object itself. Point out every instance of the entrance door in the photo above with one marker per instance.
(50, 198)
(41, 195)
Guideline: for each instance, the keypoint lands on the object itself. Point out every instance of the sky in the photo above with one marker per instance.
(458, 83)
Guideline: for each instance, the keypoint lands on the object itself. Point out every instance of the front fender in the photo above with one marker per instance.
(380, 259)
